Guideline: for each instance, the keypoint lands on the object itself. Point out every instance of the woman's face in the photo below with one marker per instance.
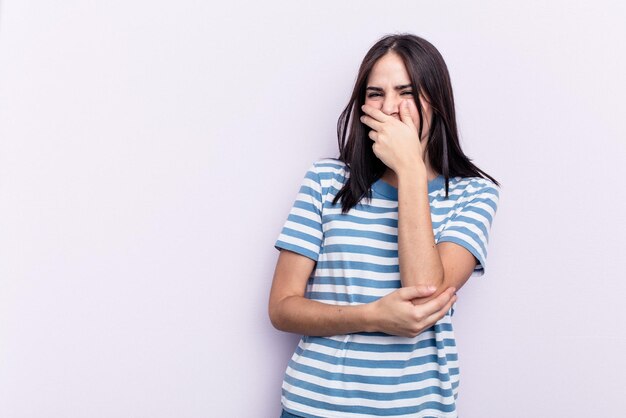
(388, 85)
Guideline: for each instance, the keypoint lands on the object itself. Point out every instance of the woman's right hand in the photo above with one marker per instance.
(398, 314)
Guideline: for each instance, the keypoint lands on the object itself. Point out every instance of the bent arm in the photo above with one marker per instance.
(422, 261)
(394, 314)
(418, 255)
(458, 265)
(290, 311)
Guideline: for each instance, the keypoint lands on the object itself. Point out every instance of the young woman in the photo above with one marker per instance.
(376, 245)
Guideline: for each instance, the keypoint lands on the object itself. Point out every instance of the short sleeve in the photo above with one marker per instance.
(471, 222)
(302, 232)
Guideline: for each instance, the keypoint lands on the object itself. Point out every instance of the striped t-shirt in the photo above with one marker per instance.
(375, 374)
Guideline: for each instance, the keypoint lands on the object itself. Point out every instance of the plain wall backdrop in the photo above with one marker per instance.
(150, 152)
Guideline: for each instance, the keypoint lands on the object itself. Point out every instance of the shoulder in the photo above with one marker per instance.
(330, 170)
(467, 192)
(470, 188)
(330, 165)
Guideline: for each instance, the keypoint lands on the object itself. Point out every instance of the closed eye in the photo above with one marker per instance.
(404, 93)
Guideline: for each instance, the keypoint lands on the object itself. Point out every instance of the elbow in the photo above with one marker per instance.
(276, 322)
(432, 280)
(440, 280)
(437, 278)
(276, 316)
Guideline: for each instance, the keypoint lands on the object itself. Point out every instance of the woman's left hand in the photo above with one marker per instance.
(396, 142)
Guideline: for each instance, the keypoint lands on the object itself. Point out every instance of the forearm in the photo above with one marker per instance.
(418, 255)
(303, 316)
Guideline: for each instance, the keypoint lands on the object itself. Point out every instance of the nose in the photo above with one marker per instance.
(391, 105)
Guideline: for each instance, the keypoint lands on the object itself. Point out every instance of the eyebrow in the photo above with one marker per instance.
(403, 86)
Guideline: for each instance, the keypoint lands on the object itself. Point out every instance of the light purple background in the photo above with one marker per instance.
(151, 150)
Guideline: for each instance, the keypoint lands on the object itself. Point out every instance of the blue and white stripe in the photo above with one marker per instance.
(375, 374)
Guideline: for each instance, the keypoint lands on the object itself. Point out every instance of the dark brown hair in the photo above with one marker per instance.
(430, 79)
